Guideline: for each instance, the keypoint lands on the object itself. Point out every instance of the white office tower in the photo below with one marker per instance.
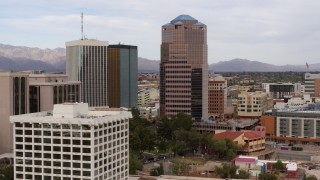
(72, 142)
(86, 61)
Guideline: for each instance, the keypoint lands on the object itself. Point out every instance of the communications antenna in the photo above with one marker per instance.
(81, 25)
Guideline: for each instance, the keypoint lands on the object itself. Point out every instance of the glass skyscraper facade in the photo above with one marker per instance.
(184, 68)
(122, 76)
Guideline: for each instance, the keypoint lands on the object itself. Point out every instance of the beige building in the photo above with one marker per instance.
(24, 92)
(252, 104)
(147, 97)
(49, 89)
(14, 100)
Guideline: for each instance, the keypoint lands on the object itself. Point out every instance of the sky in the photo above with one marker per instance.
(274, 31)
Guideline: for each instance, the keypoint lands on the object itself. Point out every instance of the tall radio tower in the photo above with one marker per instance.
(81, 25)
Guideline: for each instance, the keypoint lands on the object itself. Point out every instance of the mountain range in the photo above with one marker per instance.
(17, 58)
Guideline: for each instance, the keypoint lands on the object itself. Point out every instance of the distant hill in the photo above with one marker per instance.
(239, 65)
(147, 65)
(19, 58)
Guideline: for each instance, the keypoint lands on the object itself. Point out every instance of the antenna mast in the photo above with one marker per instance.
(81, 25)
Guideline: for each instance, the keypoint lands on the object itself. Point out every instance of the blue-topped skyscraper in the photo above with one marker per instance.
(122, 76)
(184, 68)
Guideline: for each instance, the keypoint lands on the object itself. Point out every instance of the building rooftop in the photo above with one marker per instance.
(87, 42)
(74, 113)
(228, 135)
(184, 17)
(232, 135)
(246, 160)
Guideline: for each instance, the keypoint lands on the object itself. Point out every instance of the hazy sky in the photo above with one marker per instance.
(271, 31)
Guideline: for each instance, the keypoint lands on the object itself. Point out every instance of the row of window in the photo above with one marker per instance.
(52, 163)
(53, 133)
(53, 156)
(54, 148)
(53, 141)
(49, 171)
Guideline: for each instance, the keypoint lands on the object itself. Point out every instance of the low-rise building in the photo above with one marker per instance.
(310, 82)
(248, 141)
(252, 104)
(294, 126)
(148, 97)
(281, 90)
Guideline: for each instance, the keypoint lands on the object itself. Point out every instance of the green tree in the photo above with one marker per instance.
(134, 164)
(267, 176)
(181, 147)
(226, 170)
(230, 154)
(190, 138)
(136, 120)
(141, 139)
(312, 177)
(243, 174)
(220, 147)
(278, 166)
(179, 167)
(157, 171)
(6, 172)
(165, 129)
(182, 121)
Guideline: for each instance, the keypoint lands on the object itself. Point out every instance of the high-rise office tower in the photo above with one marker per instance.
(122, 76)
(14, 100)
(24, 92)
(87, 62)
(184, 68)
(72, 142)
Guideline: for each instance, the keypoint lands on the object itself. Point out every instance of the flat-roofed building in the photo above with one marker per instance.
(294, 126)
(217, 93)
(48, 89)
(281, 90)
(86, 61)
(309, 83)
(14, 100)
(252, 104)
(122, 75)
(70, 142)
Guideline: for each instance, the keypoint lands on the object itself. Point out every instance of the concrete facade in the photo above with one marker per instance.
(86, 61)
(72, 142)
(252, 104)
(309, 83)
(48, 89)
(25, 92)
(14, 100)
(281, 90)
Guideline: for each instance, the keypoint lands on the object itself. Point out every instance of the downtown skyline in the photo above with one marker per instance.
(273, 32)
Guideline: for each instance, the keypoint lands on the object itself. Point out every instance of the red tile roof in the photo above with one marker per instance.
(232, 135)
(251, 135)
